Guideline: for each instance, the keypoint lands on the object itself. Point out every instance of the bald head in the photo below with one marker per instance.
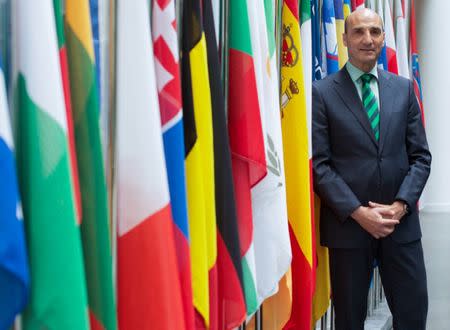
(362, 13)
(364, 38)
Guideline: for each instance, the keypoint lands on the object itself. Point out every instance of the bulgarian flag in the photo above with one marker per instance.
(58, 294)
(95, 232)
(391, 52)
(67, 99)
(271, 234)
(246, 137)
(197, 120)
(167, 68)
(148, 282)
(297, 168)
(14, 273)
(400, 40)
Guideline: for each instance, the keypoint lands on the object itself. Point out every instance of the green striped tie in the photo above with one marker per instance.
(370, 104)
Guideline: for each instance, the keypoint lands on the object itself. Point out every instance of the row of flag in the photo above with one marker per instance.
(213, 201)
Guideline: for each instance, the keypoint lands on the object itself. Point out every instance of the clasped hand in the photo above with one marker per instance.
(379, 220)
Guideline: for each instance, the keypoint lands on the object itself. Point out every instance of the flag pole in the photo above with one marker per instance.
(112, 135)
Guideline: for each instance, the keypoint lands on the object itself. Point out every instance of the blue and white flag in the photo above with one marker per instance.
(14, 277)
(329, 30)
(316, 44)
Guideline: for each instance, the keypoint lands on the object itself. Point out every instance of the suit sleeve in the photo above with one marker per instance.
(328, 184)
(419, 156)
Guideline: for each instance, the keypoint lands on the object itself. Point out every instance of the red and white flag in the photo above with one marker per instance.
(149, 293)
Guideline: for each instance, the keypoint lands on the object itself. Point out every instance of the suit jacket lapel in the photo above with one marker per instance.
(387, 98)
(349, 95)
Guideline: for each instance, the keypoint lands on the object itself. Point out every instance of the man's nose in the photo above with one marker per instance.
(367, 38)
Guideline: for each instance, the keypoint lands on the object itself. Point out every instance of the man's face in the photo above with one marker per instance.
(364, 38)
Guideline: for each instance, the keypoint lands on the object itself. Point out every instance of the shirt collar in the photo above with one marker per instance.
(356, 73)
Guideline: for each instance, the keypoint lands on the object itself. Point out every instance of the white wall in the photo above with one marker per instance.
(433, 31)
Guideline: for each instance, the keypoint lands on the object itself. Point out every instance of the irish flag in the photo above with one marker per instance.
(58, 294)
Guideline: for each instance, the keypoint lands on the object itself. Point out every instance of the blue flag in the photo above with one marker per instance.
(95, 36)
(14, 278)
(329, 30)
(316, 46)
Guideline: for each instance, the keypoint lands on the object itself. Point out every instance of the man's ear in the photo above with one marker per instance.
(344, 39)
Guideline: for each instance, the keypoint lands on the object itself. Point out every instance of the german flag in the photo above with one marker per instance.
(231, 302)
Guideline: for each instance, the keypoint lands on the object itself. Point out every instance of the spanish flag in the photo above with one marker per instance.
(297, 168)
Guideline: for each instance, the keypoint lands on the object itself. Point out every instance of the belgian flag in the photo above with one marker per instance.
(200, 184)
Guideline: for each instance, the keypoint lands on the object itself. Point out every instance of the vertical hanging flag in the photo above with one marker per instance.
(198, 134)
(95, 22)
(414, 58)
(321, 297)
(391, 52)
(372, 4)
(95, 231)
(297, 168)
(382, 59)
(400, 40)
(316, 41)
(271, 234)
(329, 32)
(165, 46)
(58, 10)
(246, 137)
(231, 302)
(14, 277)
(356, 4)
(347, 8)
(148, 284)
(307, 56)
(342, 50)
(58, 294)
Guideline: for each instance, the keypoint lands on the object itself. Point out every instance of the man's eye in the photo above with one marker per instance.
(375, 32)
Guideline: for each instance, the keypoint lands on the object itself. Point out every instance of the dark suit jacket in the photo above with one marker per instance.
(351, 168)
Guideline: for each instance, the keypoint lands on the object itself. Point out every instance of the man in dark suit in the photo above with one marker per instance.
(371, 162)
